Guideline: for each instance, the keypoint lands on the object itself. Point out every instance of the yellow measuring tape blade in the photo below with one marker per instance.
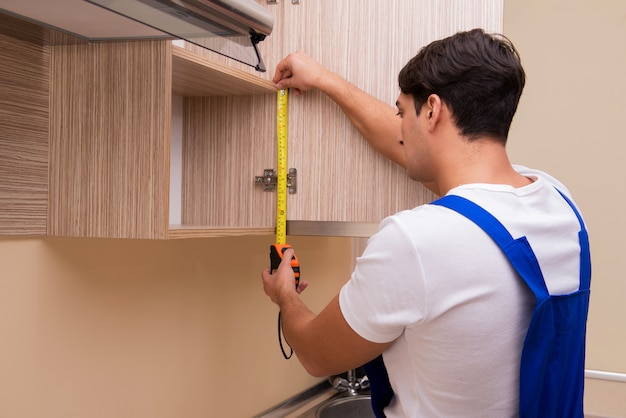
(281, 172)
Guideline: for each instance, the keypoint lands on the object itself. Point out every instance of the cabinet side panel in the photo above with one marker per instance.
(341, 178)
(109, 146)
(227, 141)
(24, 62)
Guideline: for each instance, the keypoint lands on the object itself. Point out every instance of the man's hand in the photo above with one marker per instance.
(300, 72)
(279, 285)
(319, 341)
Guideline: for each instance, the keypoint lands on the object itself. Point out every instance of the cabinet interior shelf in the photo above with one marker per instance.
(194, 75)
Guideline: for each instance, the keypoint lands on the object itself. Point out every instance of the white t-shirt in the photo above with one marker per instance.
(436, 284)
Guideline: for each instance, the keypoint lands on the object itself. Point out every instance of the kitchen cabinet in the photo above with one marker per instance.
(152, 140)
(88, 131)
(111, 141)
(87, 138)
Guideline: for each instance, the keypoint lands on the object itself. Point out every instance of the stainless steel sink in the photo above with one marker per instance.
(347, 407)
(323, 401)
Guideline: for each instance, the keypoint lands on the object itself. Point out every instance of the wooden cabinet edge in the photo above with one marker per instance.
(194, 75)
(199, 231)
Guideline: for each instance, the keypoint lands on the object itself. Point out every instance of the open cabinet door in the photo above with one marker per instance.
(340, 177)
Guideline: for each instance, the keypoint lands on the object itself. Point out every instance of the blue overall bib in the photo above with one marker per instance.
(553, 356)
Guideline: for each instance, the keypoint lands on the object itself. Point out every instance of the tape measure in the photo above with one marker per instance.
(281, 172)
(277, 250)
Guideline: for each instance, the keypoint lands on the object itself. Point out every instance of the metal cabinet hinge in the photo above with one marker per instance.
(269, 180)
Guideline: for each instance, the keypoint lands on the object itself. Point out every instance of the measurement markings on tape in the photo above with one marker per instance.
(281, 172)
(277, 249)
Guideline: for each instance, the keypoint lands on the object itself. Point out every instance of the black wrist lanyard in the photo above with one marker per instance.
(280, 340)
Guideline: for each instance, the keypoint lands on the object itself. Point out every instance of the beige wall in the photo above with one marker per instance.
(130, 328)
(571, 124)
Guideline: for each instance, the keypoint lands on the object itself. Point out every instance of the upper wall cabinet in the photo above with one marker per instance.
(151, 140)
(120, 116)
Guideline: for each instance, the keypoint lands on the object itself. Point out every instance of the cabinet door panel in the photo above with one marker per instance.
(340, 177)
(109, 139)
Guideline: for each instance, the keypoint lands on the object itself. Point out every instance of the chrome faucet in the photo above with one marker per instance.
(351, 385)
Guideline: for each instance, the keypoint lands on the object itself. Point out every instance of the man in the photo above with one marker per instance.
(432, 291)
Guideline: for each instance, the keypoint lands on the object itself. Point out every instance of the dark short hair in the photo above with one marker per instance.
(479, 76)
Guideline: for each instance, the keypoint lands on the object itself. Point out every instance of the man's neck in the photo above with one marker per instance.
(479, 161)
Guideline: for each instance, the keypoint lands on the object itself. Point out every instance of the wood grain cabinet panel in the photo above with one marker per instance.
(109, 140)
(23, 128)
(340, 177)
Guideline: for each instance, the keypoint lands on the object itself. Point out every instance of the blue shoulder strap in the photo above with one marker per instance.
(585, 254)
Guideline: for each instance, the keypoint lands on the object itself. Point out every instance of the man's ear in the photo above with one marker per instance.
(434, 110)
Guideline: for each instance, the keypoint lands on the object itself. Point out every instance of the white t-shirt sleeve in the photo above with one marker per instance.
(386, 291)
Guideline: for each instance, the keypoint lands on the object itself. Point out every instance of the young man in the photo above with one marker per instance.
(433, 292)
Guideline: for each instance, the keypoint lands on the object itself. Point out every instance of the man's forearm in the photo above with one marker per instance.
(296, 325)
(325, 344)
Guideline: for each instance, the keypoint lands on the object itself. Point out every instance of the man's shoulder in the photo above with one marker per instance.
(532, 172)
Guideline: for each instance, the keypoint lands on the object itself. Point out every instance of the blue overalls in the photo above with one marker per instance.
(553, 356)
